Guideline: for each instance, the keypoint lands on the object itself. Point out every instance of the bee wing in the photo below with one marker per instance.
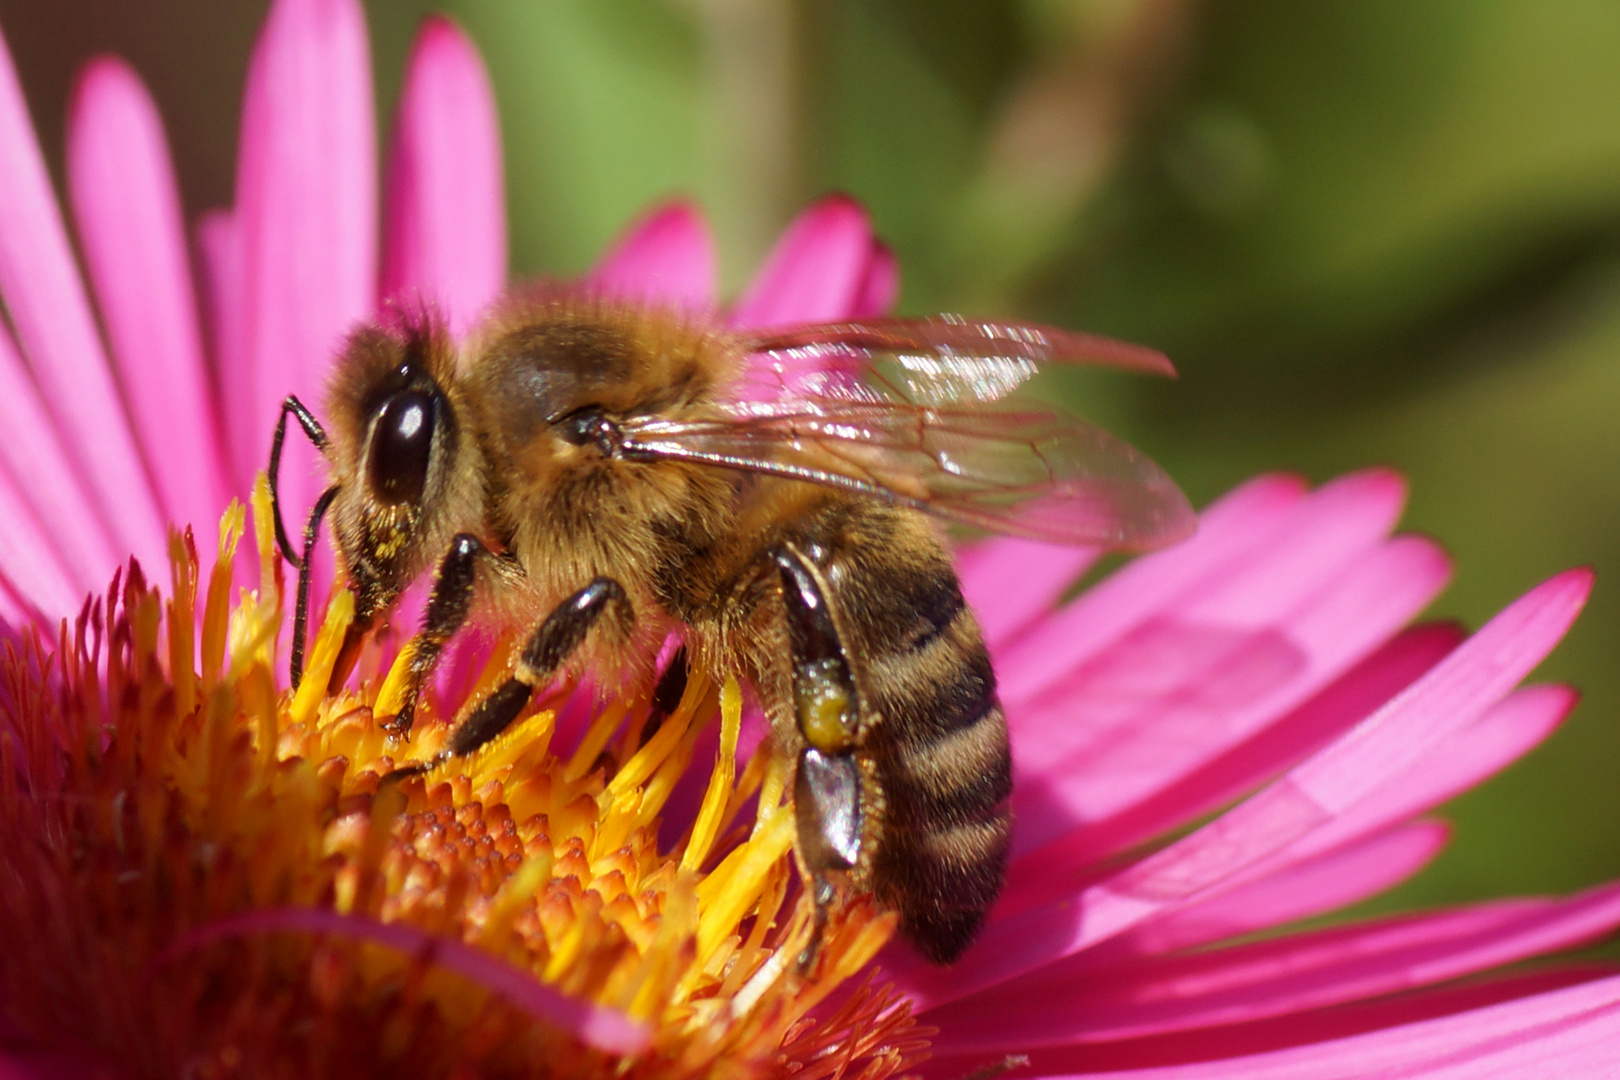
(941, 360)
(1026, 472)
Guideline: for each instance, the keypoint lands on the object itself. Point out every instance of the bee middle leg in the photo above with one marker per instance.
(551, 645)
(448, 606)
(827, 776)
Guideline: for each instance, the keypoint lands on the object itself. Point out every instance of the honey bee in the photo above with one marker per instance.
(597, 473)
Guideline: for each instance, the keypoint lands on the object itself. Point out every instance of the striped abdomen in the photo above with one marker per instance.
(931, 729)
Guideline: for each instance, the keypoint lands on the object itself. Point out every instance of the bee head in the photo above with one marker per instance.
(401, 463)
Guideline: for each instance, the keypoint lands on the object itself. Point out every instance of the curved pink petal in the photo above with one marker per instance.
(1242, 983)
(1310, 797)
(31, 566)
(305, 225)
(880, 289)
(1506, 732)
(1010, 583)
(221, 264)
(50, 312)
(42, 474)
(127, 207)
(1222, 681)
(19, 1061)
(667, 257)
(445, 216)
(1511, 1032)
(1230, 1049)
(816, 271)
(1310, 888)
(596, 1025)
(1049, 872)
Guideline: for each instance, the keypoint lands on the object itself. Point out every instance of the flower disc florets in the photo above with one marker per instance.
(210, 877)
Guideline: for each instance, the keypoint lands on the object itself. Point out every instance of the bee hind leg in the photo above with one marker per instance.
(827, 784)
(548, 649)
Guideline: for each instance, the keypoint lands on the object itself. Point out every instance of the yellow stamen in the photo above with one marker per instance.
(215, 611)
(181, 617)
(595, 740)
(732, 890)
(644, 762)
(391, 698)
(720, 781)
(156, 806)
(323, 657)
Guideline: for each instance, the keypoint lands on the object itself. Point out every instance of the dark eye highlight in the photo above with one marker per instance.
(401, 442)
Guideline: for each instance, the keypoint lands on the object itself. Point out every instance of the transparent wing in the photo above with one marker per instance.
(944, 360)
(1025, 472)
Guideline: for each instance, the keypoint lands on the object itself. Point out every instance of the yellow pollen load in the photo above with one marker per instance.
(824, 714)
(221, 815)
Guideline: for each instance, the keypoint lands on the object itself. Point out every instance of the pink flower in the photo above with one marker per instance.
(1265, 667)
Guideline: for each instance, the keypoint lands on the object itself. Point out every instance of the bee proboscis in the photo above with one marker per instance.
(596, 473)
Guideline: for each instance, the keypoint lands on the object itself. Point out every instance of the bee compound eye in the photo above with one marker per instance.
(401, 441)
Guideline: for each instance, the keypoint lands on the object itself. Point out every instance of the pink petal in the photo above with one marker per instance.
(305, 224)
(1309, 797)
(1568, 1033)
(1506, 732)
(57, 331)
(21, 1061)
(880, 288)
(1395, 738)
(596, 1025)
(1240, 984)
(816, 271)
(1010, 583)
(42, 475)
(1223, 1050)
(1182, 693)
(1313, 887)
(31, 566)
(1049, 872)
(667, 257)
(221, 264)
(445, 237)
(1235, 528)
(128, 212)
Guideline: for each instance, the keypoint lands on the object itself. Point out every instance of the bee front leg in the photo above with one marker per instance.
(548, 649)
(827, 777)
(448, 606)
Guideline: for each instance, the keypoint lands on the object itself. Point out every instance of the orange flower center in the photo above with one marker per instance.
(207, 876)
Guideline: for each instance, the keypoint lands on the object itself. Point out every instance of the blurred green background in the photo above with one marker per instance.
(1368, 231)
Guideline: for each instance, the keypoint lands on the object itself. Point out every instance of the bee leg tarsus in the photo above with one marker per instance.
(405, 772)
(551, 645)
(823, 895)
(492, 716)
(667, 694)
